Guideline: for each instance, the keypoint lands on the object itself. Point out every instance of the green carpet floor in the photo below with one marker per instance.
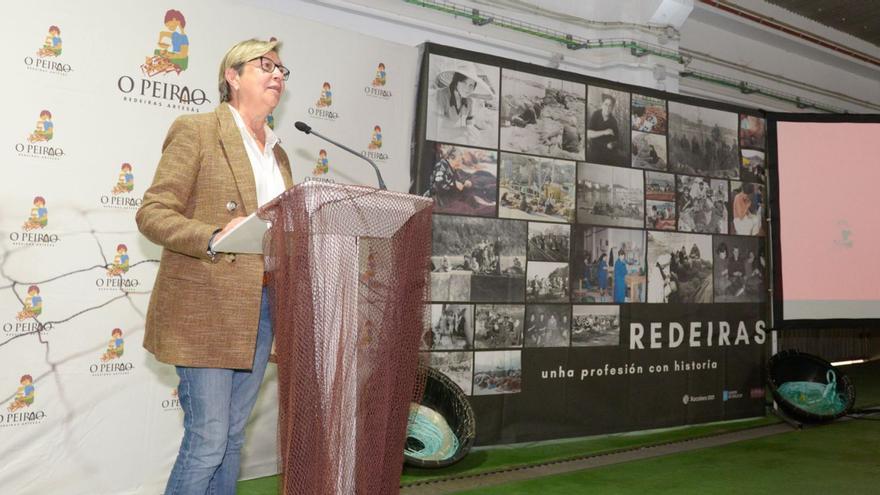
(840, 458)
(842, 455)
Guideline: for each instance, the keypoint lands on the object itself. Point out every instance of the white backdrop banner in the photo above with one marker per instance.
(83, 408)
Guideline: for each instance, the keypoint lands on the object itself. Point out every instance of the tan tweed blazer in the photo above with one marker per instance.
(203, 313)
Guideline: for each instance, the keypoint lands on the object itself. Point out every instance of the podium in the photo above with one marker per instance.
(348, 268)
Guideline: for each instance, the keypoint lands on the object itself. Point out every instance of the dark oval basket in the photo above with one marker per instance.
(792, 365)
(447, 398)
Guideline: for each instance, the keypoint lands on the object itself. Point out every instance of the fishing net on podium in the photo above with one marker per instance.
(348, 284)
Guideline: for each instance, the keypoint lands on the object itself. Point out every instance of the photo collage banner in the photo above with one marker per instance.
(599, 253)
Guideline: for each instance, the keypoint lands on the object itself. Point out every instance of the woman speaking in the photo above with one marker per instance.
(209, 314)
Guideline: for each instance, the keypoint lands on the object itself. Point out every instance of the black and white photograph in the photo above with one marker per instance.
(547, 325)
(702, 141)
(595, 325)
(547, 281)
(478, 259)
(452, 328)
(536, 188)
(497, 372)
(740, 269)
(648, 151)
(680, 268)
(458, 366)
(542, 116)
(648, 114)
(499, 326)
(702, 205)
(753, 167)
(752, 132)
(610, 195)
(660, 215)
(462, 102)
(549, 241)
(462, 181)
(608, 136)
(747, 205)
(608, 265)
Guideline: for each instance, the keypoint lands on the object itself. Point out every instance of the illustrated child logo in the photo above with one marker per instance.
(322, 165)
(379, 80)
(376, 140)
(326, 98)
(120, 261)
(125, 182)
(172, 50)
(24, 396)
(52, 44)
(33, 304)
(39, 217)
(116, 346)
(44, 128)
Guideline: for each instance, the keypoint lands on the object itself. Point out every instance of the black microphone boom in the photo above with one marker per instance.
(302, 126)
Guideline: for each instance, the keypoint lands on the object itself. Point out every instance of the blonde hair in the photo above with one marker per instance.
(239, 55)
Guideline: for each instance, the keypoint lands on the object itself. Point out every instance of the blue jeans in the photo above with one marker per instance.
(216, 403)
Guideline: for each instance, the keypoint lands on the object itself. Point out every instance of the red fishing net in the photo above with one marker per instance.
(348, 284)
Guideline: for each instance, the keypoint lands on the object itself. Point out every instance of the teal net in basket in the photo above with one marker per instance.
(429, 437)
(813, 397)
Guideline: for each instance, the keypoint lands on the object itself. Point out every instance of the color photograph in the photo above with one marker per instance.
(535, 188)
(608, 265)
(462, 181)
(497, 372)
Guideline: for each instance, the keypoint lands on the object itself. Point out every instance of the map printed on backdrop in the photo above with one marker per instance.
(599, 258)
(81, 142)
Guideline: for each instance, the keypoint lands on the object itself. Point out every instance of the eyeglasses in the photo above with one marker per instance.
(268, 65)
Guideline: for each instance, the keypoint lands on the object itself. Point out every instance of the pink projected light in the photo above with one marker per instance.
(829, 211)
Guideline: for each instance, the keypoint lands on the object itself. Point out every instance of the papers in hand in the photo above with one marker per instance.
(246, 237)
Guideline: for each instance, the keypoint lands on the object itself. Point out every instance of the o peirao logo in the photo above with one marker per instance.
(170, 55)
(24, 396)
(172, 50)
(111, 362)
(21, 410)
(322, 165)
(33, 304)
(379, 80)
(376, 88)
(44, 131)
(51, 44)
(372, 152)
(39, 216)
(116, 270)
(120, 195)
(47, 53)
(325, 101)
(376, 139)
(30, 234)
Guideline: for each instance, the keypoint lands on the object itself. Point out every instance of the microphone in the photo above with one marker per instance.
(305, 128)
(302, 126)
